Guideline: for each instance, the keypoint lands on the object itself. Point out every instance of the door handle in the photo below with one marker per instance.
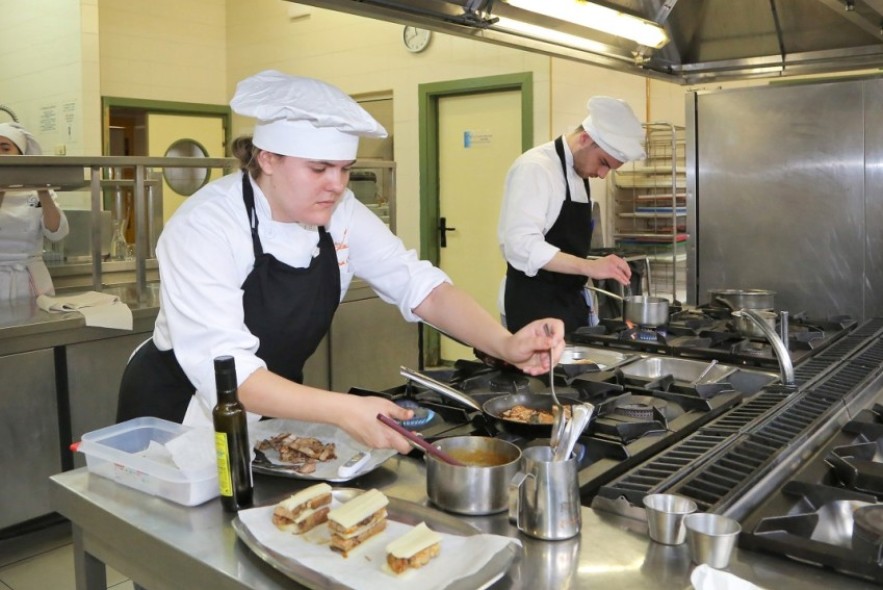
(443, 231)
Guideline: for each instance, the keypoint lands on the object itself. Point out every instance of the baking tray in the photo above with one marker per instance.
(267, 462)
(400, 511)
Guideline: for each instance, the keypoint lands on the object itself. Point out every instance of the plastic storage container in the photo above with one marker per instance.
(116, 452)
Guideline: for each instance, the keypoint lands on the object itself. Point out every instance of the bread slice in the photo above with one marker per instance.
(356, 521)
(413, 549)
(304, 510)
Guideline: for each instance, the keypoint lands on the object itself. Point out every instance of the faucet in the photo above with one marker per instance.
(779, 347)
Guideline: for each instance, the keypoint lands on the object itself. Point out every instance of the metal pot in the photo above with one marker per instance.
(643, 310)
(745, 326)
(472, 489)
(744, 298)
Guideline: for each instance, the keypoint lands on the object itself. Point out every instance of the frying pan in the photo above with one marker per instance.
(493, 409)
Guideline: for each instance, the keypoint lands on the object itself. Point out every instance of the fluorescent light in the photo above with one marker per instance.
(600, 18)
(548, 35)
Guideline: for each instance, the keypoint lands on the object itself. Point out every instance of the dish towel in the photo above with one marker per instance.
(705, 577)
(99, 309)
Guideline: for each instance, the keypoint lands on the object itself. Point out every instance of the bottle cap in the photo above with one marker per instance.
(225, 373)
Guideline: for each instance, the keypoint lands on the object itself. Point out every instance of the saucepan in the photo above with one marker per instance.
(494, 408)
(743, 298)
(481, 484)
(643, 310)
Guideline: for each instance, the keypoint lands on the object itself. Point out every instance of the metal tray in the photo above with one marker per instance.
(400, 511)
(601, 358)
(268, 462)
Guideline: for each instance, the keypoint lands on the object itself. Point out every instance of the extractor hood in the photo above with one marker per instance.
(709, 39)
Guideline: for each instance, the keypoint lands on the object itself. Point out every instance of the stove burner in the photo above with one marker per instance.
(636, 410)
(422, 416)
(647, 335)
(509, 383)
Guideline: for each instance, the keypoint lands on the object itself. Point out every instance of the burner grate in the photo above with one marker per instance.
(661, 471)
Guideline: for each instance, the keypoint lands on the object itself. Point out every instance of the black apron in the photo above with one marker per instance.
(288, 309)
(552, 294)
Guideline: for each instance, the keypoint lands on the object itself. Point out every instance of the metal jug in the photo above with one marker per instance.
(544, 496)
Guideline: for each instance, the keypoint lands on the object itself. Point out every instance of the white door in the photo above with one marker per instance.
(479, 138)
(163, 131)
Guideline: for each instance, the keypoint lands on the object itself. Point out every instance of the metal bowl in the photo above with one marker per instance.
(472, 489)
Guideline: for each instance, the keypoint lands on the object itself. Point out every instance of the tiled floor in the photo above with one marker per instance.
(44, 560)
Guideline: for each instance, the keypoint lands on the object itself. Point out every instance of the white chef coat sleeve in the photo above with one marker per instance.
(202, 262)
(379, 257)
(530, 191)
(63, 225)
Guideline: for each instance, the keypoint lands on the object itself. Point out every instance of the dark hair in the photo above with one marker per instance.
(247, 154)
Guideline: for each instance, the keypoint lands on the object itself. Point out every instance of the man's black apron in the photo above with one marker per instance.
(552, 294)
(288, 309)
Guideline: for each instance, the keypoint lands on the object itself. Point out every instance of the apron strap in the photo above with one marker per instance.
(559, 149)
(248, 196)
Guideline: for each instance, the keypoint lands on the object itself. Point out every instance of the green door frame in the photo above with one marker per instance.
(195, 109)
(429, 95)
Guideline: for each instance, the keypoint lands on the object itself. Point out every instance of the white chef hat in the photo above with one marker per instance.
(615, 128)
(22, 138)
(303, 117)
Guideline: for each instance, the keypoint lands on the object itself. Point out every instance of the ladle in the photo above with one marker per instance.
(579, 419)
(558, 418)
(698, 380)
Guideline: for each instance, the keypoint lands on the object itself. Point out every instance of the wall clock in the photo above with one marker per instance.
(416, 39)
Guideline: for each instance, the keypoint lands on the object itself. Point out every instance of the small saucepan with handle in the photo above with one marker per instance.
(643, 310)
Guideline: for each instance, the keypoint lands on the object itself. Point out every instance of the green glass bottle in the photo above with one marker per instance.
(231, 439)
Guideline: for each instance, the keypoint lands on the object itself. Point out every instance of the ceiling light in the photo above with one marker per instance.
(599, 18)
(548, 35)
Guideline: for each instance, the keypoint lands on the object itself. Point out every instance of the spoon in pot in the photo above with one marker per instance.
(558, 418)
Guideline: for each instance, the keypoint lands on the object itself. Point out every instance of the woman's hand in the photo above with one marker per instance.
(359, 419)
(528, 349)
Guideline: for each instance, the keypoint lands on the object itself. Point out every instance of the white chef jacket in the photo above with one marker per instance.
(205, 254)
(22, 270)
(534, 193)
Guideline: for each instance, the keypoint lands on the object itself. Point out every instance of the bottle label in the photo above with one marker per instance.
(222, 451)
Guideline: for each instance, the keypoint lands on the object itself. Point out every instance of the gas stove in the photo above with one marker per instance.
(631, 423)
(830, 513)
(709, 333)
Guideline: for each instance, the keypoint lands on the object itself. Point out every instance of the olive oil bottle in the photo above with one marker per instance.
(231, 439)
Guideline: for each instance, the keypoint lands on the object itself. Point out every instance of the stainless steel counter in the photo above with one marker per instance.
(24, 326)
(165, 546)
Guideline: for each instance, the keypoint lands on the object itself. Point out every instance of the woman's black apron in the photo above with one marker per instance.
(288, 309)
(552, 294)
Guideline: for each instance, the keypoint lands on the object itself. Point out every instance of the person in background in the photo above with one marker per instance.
(255, 264)
(26, 217)
(545, 226)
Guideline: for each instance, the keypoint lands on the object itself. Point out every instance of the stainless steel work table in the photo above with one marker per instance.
(164, 546)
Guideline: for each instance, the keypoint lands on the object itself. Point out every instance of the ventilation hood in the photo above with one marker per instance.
(709, 39)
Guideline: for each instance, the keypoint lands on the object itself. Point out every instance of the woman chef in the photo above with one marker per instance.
(26, 217)
(255, 264)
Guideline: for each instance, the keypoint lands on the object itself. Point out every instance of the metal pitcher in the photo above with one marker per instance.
(544, 496)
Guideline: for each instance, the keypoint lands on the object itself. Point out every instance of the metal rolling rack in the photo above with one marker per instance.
(650, 212)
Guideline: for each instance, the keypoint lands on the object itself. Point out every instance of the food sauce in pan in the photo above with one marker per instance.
(479, 457)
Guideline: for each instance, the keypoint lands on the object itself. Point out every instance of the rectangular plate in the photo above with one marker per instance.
(268, 462)
(400, 511)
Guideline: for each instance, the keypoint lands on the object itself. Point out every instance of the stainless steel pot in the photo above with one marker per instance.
(643, 310)
(745, 326)
(472, 489)
(744, 298)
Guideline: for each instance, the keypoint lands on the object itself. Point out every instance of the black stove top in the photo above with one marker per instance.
(830, 513)
(630, 423)
(710, 333)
